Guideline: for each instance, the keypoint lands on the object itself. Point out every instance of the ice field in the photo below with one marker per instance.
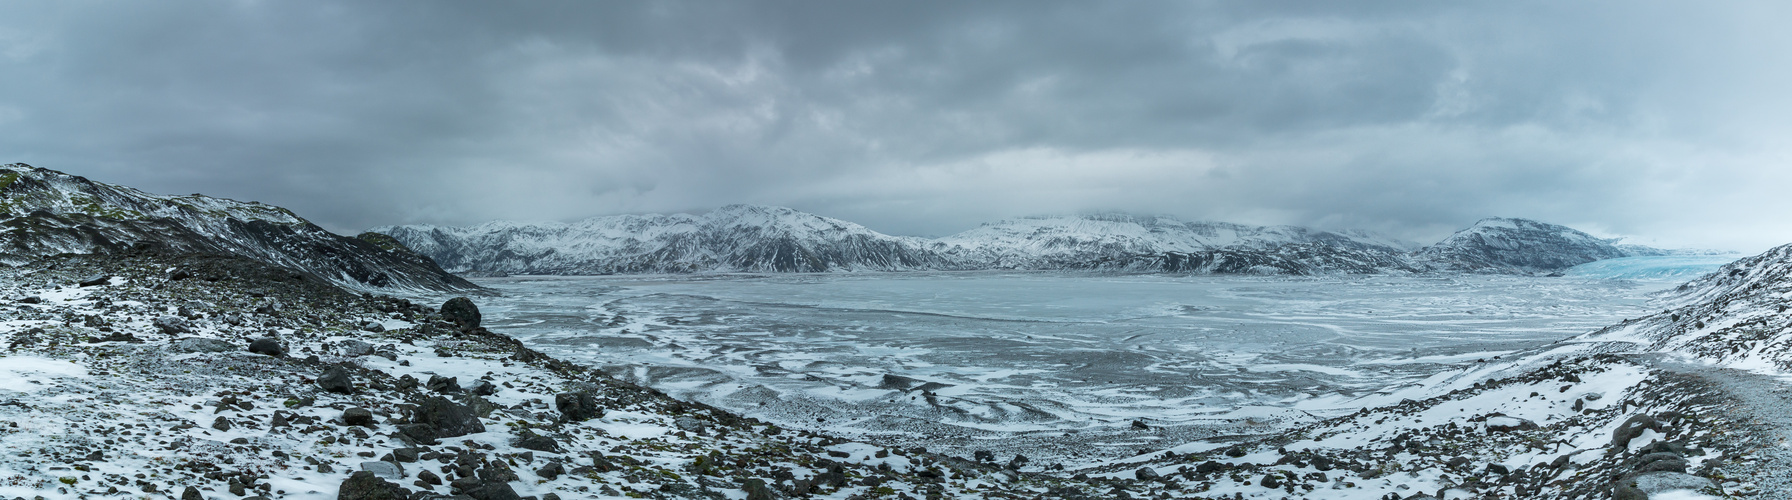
(1054, 365)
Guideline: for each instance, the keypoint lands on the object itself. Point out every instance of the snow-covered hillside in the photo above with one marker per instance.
(747, 238)
(1517, 245)
(1124, 242)
(736, 238)
(1734, 317)
(45, 212)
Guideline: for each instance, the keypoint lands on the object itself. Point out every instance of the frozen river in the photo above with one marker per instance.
(1057, 366)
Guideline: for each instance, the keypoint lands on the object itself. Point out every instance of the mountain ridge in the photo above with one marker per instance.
(46, 212)
(751, 238)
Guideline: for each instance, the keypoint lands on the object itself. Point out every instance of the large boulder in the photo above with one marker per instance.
(336, 379)
(461, 311)
(577, 406)
(448, 418)
(366, 485)
(267, 345)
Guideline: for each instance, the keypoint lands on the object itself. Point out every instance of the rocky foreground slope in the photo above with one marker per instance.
(206, 376)
(45, 212)
(746, 238)
(194, 376)
(1689, 402)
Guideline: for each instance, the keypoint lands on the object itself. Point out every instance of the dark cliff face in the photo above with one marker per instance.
(45, 212)
(1518, 246)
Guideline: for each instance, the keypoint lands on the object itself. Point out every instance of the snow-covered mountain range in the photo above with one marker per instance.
(748, 238)
(46, 212)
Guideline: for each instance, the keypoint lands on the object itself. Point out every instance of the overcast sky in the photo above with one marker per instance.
(1670, 123)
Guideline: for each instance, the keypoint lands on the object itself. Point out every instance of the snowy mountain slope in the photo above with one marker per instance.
(1124, 242)
(45, 212)
(1524, 246)
(745, 238)
(1736, 317)
(736, 238)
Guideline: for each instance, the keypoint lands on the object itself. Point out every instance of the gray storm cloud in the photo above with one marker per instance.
(1657, 120)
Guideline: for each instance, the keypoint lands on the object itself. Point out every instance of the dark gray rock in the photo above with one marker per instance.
(366, 485)
(551, 471)
(192, 493)
(490, 490)
(756, 489)
(482, 387)
(532, 441)
(221, 424)
(407, 455)
(336, 379)
(577, 406)
(201, 345)
(1502, 423)
(172, 325)
(384, 469)
(1145, 474)
(355, 348)
(96, 280)
(358, 416)
(449, 419)
(267, 345)
(462, 312)
(443, 384)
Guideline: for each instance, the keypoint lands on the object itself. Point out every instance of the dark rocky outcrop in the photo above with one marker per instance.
(364, 485)
(45, 212)
(447, 418)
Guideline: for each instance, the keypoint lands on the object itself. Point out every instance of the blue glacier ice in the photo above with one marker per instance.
(1681, 267)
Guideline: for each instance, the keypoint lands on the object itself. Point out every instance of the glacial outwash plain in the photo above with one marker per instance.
(191, 347)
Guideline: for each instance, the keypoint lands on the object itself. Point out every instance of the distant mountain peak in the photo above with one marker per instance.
(1503, 244)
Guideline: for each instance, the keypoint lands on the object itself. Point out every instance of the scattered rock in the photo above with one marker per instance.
(221, 424)
(336, 379)
(1632, 428)
(267, 345)
(482, 387)
(1141, 425)
(531, 441)
(462, 312)
(366, 485)
(96, 281)
(551, 471)
(577, 406)
(1145, 474)
(355, 348)
(1642, 486)
(447, 418)
(358, 416)
(388, 470)
(442, 384)
(192, 493)
(1502, 423)
(172, 325)
(756, 489)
